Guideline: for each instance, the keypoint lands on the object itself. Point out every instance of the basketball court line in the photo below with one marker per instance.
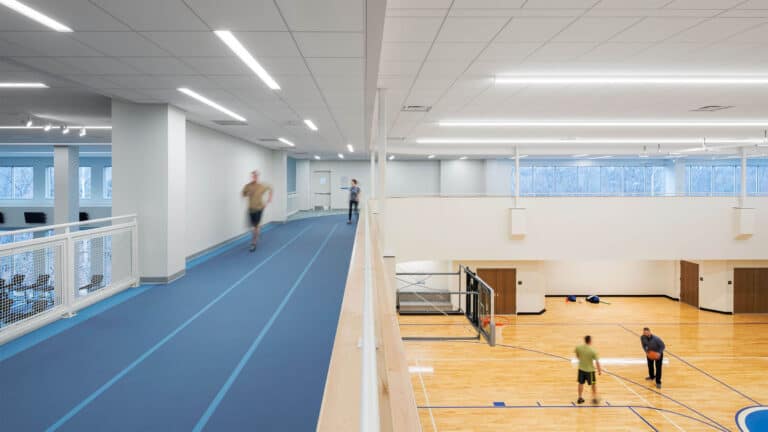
(104, 387)
(426, 398)
(702, 371)
(572, 406)
(644, 400)
(643, 419)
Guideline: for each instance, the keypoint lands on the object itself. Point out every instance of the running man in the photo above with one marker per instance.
(255, 191)
(354, 200)
(587, 355)
(651, 342)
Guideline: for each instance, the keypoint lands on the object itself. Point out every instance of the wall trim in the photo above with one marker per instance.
(152, 280)
(615, 295)
(532, 313)
(715, 311)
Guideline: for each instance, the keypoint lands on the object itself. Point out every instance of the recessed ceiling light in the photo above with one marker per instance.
(588, 140)
(580, 155)
(82, 132)
(211, 103)
(317, 157)
(431, 157)
(16, 85)
(462, 158)
(47, 127)
(631, 79)
(341, 156)
(35, 15)
(64, 130)
(310, 124)
(639, 124)
(286, 142)
(350, 148)
(228, 38)
(391, 157)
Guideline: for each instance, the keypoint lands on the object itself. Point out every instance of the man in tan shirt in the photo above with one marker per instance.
(255, 191)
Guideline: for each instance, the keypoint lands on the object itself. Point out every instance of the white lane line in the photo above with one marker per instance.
(426, 398)
(646, 402)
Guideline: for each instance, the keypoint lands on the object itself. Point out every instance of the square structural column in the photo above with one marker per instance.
(149, 179)
(279, 182)
(66, 180)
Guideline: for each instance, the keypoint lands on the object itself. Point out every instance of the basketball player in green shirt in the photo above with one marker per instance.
(586, 355)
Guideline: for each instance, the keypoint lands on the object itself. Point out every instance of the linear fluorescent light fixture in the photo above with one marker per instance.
(82, 132)
(350, 148)
(47, 127)
(29, 123)
(631, 79)
(493, 141)
(431, 157)
(462, 158)
(35, 15)
(231, 41)
(630, 124)
(22, 85)
(310, 124)
(64, 130)
(211, 103)
(286, 142)
(341, 156)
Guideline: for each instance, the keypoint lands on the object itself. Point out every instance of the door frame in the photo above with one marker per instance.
(314, 191)
(496, 291)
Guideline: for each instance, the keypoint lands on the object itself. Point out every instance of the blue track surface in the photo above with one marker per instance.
(242, 342)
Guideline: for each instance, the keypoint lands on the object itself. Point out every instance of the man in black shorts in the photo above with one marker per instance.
(255, 191)
(587, 355)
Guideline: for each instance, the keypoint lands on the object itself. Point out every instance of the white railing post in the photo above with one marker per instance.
(369, 391)
(135, 252)
(68, 288)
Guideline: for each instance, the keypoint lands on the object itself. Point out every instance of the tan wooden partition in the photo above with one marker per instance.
(340, 410)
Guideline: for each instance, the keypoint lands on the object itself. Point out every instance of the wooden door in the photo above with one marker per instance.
(689, 283)
(504, 284)
(750, 290)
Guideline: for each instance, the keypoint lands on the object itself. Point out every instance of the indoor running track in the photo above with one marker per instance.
(242, 342)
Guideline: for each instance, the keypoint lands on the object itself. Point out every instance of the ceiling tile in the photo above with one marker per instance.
(560, 4)
(418, 4)
(169, 82)
(717, 29)
(655, 29)
(757, 34)
(329, 44)
(470, 29)
(404, 51)
(79, 15)
(488, 4)
(190, 44)
(93, 81)
(405, 29)
(100, 65)
(532, 29)
(399, 68)
(446, 51)
(269, 44)
(445, 70)
(153, 15)
(594, 29)
(337, 67)
(49, 44)
(754, 4)
(498, 51)
(239, 15)
(631, 4)
(326, 15)
(555, 52)
(217, 65)
(50, 65)
(159, 65)
(703, 4)
(120, 44)
(284, 66)
(613, 52)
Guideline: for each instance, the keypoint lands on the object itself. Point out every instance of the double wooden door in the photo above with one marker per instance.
(689, 283)
(504, 284)
(750, 290)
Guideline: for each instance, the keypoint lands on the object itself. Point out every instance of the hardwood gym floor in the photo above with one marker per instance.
(718, 364)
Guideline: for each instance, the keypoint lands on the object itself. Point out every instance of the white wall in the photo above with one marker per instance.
(610, 277)
(498, 177)
(462, 177)
(360, 170)
(714, 291)
(218, 166)
(588, 229)
(413, 177)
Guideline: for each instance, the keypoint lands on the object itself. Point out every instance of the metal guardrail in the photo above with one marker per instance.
(46, 278)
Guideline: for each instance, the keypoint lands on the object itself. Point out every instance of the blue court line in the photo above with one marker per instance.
(239, 240)
(643, 419)
(79, 407)
(572, 406)
(248, 354)
(617, 376)
(700, 370)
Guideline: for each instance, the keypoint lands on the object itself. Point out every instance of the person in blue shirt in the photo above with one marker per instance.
(354, 200)
(651, 342)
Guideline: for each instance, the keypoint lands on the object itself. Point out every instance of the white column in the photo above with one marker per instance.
(743, 192)
(517, 177)
(381, 129)
(680, 178)
(303, 189)
(278, 210)
(66, 200)
(149, 166)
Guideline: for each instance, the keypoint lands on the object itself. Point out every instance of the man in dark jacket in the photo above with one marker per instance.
(651, 342)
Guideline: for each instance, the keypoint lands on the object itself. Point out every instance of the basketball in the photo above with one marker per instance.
(653, 355)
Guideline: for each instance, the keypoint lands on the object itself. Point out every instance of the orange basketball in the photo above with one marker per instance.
(653, 355)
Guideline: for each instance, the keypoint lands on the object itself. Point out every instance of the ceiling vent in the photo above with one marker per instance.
(712, 108)
(416, 108)
(230, 123)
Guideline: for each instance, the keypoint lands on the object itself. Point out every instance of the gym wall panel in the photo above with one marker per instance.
(462, 177)
(413, 178)
(360, 170)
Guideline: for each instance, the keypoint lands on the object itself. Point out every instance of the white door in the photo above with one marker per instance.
(321, 190)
